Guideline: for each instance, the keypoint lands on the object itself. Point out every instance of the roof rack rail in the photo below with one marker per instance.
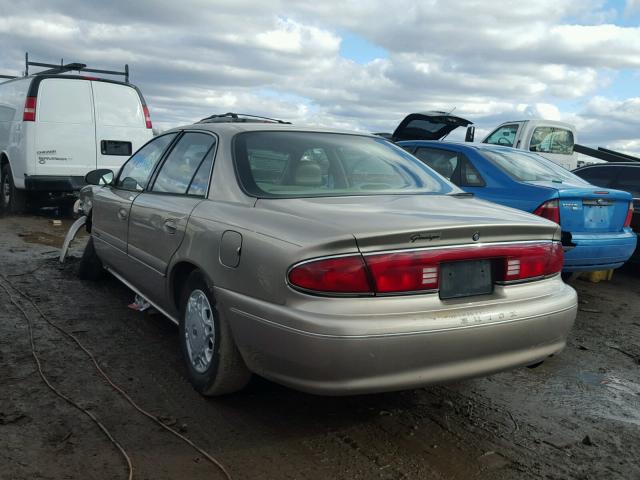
(52, 68)
(231, 117)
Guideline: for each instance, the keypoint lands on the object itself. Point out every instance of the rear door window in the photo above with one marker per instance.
(469, 175)
(135, 174)
(628, 180)
(63, 100)
(552, 140)
(444, 162)
(598, 176)
(504, 135)
(180, 167)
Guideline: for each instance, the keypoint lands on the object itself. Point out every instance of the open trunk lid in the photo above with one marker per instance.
(427, 126)
(590, 210)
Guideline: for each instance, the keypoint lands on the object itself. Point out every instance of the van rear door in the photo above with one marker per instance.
(121, 128)
(65, 130)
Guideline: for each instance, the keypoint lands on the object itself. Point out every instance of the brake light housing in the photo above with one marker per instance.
(29, 114)
(418, 271)
(549, 210)
(629, 217)
(344, 275)
(147, 117)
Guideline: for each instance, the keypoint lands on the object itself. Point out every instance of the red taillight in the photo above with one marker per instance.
(147, 117)
(627, 221)
(533, 261)
(342, 275)
(419, 270)
(549, 210)
(29, 114)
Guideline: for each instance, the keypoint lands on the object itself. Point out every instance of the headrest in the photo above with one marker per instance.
(308, 174)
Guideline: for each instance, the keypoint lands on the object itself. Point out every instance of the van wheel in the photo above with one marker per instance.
(214, 364)
(90, 267)
(12, 200)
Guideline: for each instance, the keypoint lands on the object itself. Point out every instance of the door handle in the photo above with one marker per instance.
(122, 214)
(170, 226)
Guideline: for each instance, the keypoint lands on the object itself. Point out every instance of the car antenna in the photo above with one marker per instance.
(448, 113)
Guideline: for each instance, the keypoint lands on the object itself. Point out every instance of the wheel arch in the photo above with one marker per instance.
(177, 278)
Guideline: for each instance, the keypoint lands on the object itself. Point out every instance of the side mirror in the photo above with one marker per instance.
(471, 133)
(101, 176)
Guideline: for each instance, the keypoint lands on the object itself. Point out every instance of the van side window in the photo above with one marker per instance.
(504, 135)
(65, 101)
(182, 163)
(552, 140)
(135, 174)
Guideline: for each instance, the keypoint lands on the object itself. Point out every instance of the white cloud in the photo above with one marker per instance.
(492, 62)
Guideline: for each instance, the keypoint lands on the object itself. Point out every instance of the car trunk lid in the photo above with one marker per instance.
(389, 222)
(590, 210)
(427, 126)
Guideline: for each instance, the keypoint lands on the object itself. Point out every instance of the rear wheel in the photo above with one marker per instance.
(12, 200)
(214, 364)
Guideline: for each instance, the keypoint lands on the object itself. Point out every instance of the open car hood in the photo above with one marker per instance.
(427, 126)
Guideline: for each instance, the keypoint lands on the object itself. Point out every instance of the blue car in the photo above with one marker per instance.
(595, 221)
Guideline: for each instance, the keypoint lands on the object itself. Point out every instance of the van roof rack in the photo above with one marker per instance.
(52, 69)
(231, 117)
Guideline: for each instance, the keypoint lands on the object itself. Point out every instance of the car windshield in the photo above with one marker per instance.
(275, 164)
(529, 167)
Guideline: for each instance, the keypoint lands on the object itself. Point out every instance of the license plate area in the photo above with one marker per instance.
(465, 279)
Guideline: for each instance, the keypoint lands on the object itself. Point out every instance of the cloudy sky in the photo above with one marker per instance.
(353, 63)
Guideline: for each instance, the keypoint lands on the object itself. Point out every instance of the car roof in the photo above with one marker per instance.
(231, 128)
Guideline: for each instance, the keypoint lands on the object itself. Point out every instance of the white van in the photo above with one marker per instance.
(54, 128)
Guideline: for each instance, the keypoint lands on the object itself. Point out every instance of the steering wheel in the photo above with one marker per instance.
(504, 141)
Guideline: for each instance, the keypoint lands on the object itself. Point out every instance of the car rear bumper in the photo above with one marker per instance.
(341, 354)
(599, 251)
(51, 183)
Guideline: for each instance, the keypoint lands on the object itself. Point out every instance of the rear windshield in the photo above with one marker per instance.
(309, 164)
(529, 167)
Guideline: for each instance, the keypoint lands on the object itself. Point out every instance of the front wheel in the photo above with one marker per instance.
(214, 364)
(90, 267)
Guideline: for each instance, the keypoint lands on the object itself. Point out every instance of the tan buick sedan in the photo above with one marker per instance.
(331, 262)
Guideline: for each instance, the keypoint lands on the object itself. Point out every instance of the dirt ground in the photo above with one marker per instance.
(577, 416)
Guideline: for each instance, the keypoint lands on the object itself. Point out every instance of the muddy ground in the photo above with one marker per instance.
(577, 416)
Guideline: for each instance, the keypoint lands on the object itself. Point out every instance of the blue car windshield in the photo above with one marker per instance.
(290, 164)
(529, 167)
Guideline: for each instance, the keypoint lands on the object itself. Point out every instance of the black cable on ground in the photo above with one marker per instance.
(44, 378)
(112, 384)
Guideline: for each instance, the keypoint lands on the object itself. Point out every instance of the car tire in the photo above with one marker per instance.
(569, 277)
(213, 361)
(12, 199)
(90, 267)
